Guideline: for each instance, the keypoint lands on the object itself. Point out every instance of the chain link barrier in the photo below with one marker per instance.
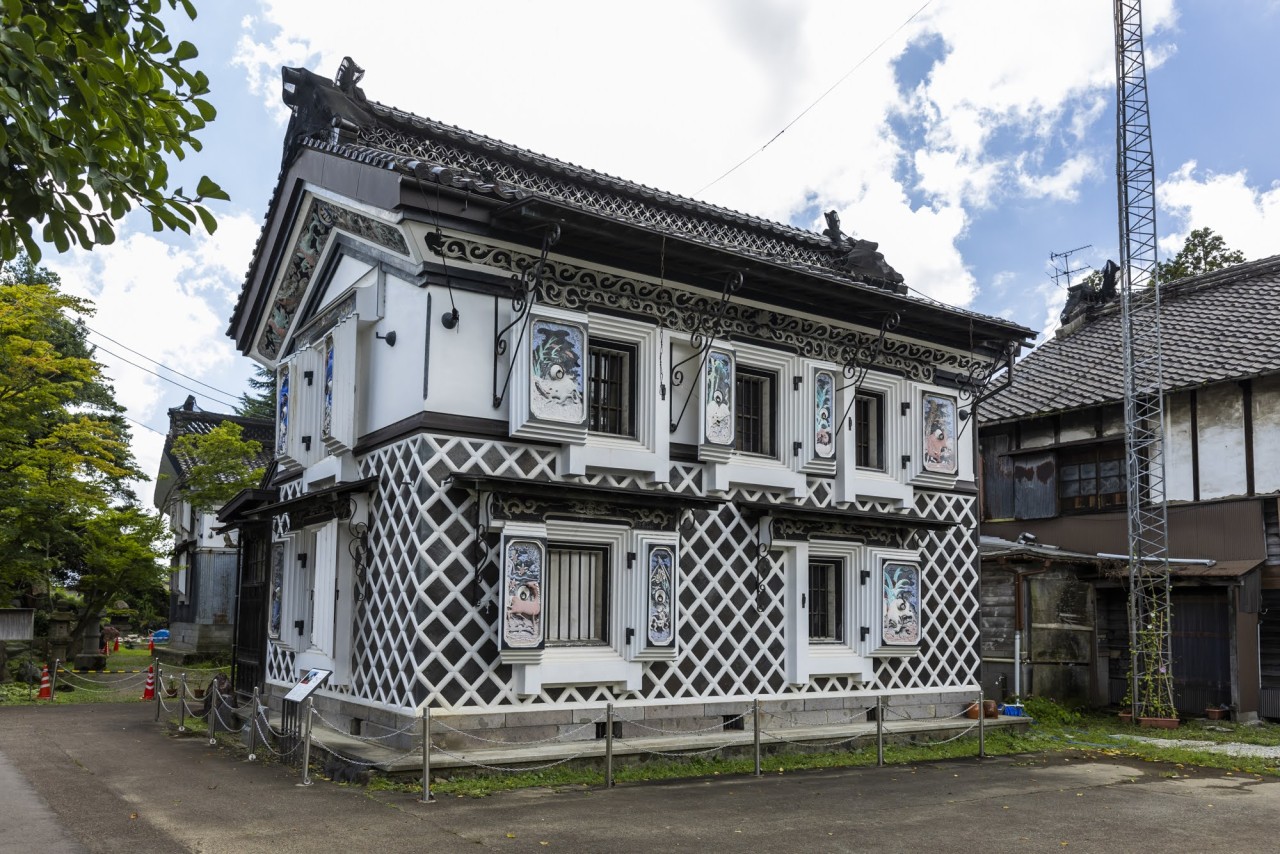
(561, 737)
(511, 769)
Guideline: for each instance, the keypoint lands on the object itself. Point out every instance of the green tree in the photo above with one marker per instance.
(65, 462)
(94, 98)
(222, 463)
(261, 403)
(1203, 252)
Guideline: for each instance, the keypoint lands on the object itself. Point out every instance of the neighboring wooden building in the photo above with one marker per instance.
(202, 586)
(549, 439)
(1052, 447)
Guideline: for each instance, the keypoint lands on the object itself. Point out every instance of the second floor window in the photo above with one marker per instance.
(868, 431)
(1091, 478)
(754, 411)
(612, 388)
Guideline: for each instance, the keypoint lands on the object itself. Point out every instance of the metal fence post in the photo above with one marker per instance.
(213, 714)
(53, 682)
(879, 731)
(306, 746)
(426, 756)
(608, 746)
(253, 726)
(182, 704)
(982, 726)
(755, 715)
(158, 686)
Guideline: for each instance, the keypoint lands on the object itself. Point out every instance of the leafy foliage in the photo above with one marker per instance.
(67, 515)
(94, 96)
(222, 464)
(261, 403)
(1203, 252)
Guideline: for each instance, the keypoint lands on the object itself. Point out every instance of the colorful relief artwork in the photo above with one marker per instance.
(901, 604)
(824, 399)
(522, 626)
(558, 385)
(277, 589)
(327, 423)
(321, 219)
(719, 398)
(940, 433)
(282, 410)
(662, 582)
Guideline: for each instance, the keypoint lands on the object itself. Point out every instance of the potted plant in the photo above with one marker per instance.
(1217, 713)
(171, 688)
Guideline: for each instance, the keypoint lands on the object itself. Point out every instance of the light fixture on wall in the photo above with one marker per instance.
(449, 319)
(390, 337)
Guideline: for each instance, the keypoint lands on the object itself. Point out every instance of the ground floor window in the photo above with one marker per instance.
(826, 600)
(577, 594)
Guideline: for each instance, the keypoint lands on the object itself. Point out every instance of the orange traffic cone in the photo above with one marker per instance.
(116, 648)
(46, 690)
(149, 692)
(151, 644)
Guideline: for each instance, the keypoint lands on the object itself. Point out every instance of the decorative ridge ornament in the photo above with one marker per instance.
(858, 256)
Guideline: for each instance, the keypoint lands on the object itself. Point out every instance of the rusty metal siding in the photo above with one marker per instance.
(1035, 486)
(1269, 652)
(1201, 651)
(997, 477)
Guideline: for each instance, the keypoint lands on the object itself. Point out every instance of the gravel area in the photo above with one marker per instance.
(1229, 748)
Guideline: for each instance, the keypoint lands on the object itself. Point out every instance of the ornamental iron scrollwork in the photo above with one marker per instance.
(706, 328)
(526, 290)
(578, 288)
(764, 543)
(858, 359)
(975, 386)
(357, 547)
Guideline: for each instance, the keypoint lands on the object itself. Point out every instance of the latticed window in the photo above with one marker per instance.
(868, 431)
(576, 599)
(754, 411)
(611, 392)
(1092, 477)
(826, 600)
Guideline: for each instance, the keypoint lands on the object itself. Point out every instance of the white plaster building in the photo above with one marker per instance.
(549, 439)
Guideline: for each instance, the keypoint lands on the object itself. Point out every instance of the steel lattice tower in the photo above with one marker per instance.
(1150, 610)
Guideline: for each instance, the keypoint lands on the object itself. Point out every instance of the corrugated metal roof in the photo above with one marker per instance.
(1219, 326)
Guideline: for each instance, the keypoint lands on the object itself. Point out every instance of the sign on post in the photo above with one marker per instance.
(310, 681)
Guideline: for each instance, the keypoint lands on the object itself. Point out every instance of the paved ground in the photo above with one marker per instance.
(108, 779)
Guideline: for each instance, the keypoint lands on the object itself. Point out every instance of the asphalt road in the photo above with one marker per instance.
(108, 779)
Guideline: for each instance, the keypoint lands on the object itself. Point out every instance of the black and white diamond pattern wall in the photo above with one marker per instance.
(426, 629)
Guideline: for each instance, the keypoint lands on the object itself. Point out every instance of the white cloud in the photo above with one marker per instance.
(1247, 217)
(167, 300)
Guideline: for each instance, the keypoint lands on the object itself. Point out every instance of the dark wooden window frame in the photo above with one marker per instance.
(1091, 477)
(868, 430)
(611, 393)
(827, 618)
(755, 411)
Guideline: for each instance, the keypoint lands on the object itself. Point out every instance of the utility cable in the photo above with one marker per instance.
(160, 363)
(819, 99)
(161, 376)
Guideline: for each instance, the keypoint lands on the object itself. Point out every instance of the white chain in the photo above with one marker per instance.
(958, 735)
(831, 743)
(324, 746)
(330, 725)
(677, 754)
(714, 728)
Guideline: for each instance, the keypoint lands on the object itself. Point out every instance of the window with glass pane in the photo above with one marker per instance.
(754, 411)
(826, 600)
(611, 388)
(868, 431)
(575, 601)
(1092, 477)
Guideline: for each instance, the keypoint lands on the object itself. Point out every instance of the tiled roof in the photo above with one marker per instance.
(184, 421)
(342, 123)
(1219, 326)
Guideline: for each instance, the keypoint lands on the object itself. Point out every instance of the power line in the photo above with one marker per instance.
(819, 99)
(144, 426)
(161, 376)
(160, 363)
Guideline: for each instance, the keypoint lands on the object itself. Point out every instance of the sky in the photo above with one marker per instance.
(971, 139)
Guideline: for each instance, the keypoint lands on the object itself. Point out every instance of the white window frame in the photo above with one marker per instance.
(649, 451)
(806, 658)
(781, 470)
(891, 484)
